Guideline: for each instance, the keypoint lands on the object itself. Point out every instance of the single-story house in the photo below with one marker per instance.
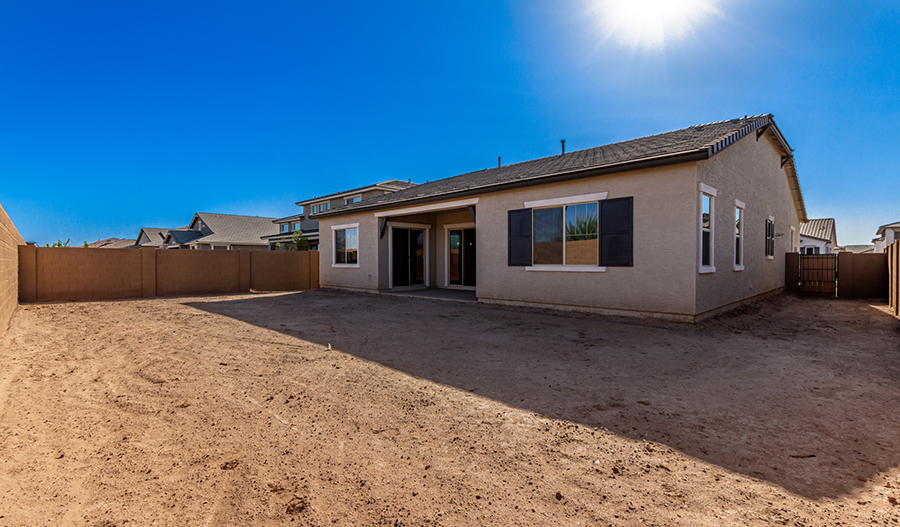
(887, 235)
(220, 232)
(310, 227)
(680, 226)
(818, 237)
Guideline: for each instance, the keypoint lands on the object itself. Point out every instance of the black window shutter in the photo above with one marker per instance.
(617, 232)
(520, 237)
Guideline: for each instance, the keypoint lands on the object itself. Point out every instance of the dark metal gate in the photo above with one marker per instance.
(818, 274)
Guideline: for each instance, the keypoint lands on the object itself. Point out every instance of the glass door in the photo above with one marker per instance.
(461, 257)
(408, 255)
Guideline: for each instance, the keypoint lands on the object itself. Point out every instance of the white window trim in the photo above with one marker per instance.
(348, 198)
(740, 205)
(565, 202)
(568, 200)
(447, 228)
(706, 189)
(447, 205)
(334, 247)
(422, 226)
(771, 257)
(711, 192)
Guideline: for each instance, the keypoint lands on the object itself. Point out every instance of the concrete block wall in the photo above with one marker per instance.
(893, 256)
(10, 240)
(74, 273)
(198, 272)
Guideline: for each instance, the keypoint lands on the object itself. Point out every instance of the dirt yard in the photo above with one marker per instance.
(323, 408)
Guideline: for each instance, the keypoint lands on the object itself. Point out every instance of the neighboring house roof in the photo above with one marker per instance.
(295, 217)
(859, 249)
(391, 185)
(182, 236)
(155, 235)
(820, 229)
(111, 243)
(233, 229)
(689, 144)
(888, 226)
(289, 235)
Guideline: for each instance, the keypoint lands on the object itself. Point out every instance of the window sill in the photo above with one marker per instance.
(567, 268)
(346, 266)
(738, 268)
(707, 270)
(770, 257)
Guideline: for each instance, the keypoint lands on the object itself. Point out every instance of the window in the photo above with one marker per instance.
(285, 227)
(328, 206)
(579, 236)
(346, 245)
(738, 235)
(707, 229)
(770, 237)
(567, 235)
(354, 199)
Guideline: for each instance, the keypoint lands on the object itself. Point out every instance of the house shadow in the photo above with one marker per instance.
(793, 391)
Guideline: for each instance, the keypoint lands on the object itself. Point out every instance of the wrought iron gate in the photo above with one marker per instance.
(818, 274)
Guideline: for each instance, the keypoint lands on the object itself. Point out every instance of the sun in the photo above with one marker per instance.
(651, 24)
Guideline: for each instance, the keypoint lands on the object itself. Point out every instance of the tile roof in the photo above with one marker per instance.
(392, 185)
(233, 229)
(888, 226)
(822, 229)
(156, 236)
(181, 236)
(860, 249)
(111, 243)
(700, 142)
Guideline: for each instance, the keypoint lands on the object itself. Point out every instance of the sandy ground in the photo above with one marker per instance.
(234, 410)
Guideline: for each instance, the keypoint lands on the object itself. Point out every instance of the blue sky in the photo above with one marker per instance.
(119, 115)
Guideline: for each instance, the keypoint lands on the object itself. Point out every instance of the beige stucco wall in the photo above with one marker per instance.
(750, 171)
(10, 240)
(661, 281)
(665, 280)
(364, 277)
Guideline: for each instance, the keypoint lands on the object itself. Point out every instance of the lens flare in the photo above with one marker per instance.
(651, 24)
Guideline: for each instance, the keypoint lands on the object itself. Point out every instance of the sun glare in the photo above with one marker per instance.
(652, 23)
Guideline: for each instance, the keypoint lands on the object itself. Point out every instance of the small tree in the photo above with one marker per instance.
(58, 243)
(298, 242)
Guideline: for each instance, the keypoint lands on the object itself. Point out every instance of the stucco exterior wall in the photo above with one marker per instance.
(364, 277)
(750, 171)
(10, 240)
(661, 282)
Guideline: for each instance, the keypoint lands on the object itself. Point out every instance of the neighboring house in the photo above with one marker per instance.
(112, 243)
(887, 235)
(310, 227)
(858, 249)
(680, 225)
(818, 237)
(220, 232)
(150, 237)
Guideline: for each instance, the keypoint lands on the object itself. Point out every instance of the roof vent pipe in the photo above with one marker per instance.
(563, 143)
(498, 161)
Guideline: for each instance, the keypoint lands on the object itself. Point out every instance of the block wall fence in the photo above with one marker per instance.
(893, 254)
(10, 240)
(72, 274)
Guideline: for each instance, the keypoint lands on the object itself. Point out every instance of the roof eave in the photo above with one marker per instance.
(627, 166)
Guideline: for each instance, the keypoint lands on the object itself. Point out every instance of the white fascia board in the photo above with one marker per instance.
(597, 196)
(435, 207)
